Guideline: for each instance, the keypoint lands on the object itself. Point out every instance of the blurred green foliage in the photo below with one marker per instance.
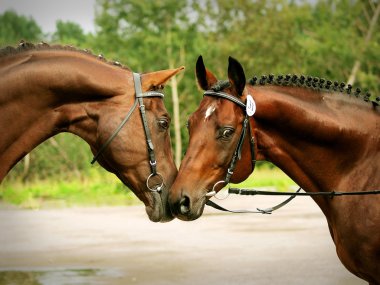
(69, 32)
(102, 188)
(319, 38)
(14, 27)
(96, 188)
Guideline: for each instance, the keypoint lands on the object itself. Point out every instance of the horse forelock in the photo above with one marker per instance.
(27, 46)
(220, 85)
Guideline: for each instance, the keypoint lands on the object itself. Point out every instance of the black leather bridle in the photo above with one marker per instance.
(237, 155)
(246, 127)
(152, 158)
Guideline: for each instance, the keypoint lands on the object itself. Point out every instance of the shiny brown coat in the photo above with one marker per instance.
(324, 141)
(47, 90)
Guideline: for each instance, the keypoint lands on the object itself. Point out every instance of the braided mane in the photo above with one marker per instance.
(310, 82)
(26, 46)
(314, 83)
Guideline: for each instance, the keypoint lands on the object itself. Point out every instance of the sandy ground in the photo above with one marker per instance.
(119, 245)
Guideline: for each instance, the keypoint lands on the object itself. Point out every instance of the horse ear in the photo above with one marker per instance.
(205, 77)
(236, 75)
(157, 78)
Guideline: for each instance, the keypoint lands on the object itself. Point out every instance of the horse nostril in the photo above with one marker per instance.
(184, 205)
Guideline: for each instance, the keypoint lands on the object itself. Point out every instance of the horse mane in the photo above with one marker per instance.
(27, 46)
(314, 83)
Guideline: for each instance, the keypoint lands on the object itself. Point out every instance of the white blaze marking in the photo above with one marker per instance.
(209, 111)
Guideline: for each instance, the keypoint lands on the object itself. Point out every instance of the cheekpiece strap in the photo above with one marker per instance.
(140, 96)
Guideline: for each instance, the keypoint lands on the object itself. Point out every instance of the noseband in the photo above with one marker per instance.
(152, 158)
(246, 126)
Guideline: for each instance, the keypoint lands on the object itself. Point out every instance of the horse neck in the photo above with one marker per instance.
(321, 140)
(43, 93)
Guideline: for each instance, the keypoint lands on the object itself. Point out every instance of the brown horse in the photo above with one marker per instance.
(322, 139)
(45, 90)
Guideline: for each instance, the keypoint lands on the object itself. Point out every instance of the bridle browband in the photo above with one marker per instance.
(224, 95)
(246, 126)
(152, 158)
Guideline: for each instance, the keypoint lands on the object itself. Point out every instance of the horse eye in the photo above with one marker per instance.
(227, 133)
(163, 124)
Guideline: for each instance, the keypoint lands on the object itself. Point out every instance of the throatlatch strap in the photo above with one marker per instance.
(105, 145)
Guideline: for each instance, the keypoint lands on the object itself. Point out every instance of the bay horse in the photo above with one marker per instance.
(324, 140)
(46, 90)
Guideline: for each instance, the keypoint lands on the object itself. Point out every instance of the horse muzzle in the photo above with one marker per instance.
(187, 209)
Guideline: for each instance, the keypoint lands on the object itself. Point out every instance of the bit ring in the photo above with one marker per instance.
(157, 187)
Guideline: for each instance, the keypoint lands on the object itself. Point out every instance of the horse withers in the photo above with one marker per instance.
(45, 90)
(323, 139)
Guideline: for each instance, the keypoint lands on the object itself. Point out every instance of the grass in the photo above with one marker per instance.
(266, 177)
(100, 188)
(97, 189)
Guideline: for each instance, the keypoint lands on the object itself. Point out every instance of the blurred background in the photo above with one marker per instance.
(334, 39)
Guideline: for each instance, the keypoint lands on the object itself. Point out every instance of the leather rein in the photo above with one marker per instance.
(151, 156)
(237, 156)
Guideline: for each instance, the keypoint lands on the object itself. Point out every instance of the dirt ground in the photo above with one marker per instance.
(119, 245)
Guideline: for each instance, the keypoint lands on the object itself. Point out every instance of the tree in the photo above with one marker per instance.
(150, 35)
(318, 38)
(372, 13)
(14, 27)
(69, 33)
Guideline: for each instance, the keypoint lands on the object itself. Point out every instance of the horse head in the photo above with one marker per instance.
(140, 153)
(215, 130)
(120, 114)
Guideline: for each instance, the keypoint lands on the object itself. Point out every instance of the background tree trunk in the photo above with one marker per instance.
(25, 173)
(372, 24)
(177, 122)
(175, 100)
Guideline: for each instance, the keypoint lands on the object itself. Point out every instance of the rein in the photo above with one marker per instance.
(253, 192)
(259, 210)
(331, 194)
(237, 155)
(152, 158)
